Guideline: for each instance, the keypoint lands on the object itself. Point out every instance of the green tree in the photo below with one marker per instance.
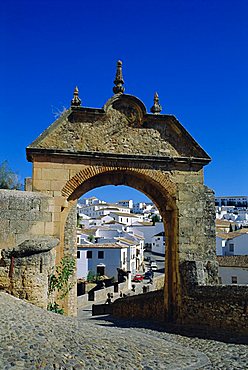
(8, 178)
(155, 218)
(91, 238)
(230, 228)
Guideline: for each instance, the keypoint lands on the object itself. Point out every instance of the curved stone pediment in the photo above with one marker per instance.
(122, 127)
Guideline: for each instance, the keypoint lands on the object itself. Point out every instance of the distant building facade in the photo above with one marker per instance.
(237, 201)
(158, 244)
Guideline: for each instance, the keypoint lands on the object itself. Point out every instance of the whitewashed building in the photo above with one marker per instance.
(102, 209)
(232, 244)
(237, 201)
(90, 201)
(158, 244)
(125, 218)
(105, 259)
(233, 270)
(126, 203)
(147, 229)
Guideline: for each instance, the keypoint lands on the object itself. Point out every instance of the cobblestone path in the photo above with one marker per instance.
(31, 338)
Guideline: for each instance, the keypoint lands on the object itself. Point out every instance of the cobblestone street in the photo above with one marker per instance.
(32, 338)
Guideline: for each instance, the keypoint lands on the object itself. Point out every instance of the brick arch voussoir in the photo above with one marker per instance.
(163, 179)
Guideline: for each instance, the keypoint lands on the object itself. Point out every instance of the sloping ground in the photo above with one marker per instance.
(32, 338)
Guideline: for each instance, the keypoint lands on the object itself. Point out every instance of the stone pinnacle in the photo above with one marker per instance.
(118, 88)
(156, 108)
(76, 101)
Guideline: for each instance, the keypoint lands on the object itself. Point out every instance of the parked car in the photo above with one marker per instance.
(148, 274)
(138, 278)
(153, 265)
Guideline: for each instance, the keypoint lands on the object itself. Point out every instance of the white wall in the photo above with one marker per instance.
(112, 260)
(106, 233)
(220, 244)
(226, 274)
(82, 264)
(158, 244)
(240, 246)
(148, 231)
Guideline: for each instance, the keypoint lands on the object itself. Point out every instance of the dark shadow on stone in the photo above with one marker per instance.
(187, 331)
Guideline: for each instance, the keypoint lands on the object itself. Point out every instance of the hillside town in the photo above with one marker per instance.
(115, 238)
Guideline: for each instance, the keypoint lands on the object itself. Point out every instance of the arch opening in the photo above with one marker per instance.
(165, 203)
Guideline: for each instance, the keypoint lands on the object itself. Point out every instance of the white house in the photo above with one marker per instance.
(102, 209)
(232, 243)
(104, 259)
(139, 207)
(136, 256)
(142, 207)
(89, 201)
(101, 259)
(237, 245)
(233, 270)
(109, 236)
(126, 203)
(82, 238)
(238, 201)
(158, 244)
(232, 213)
(147, 229)
(220, 243)
(125, 218)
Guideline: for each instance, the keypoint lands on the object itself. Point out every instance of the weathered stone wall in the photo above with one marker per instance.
(23, 214)
(149, 306)
(217, 307)
(214, 307)
(25, 269)
(70, 249)
(27, 250)
(196, 218)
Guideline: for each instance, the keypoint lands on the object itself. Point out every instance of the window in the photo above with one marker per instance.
(89, 254)
(231, 247)
(100, 254)
(234, 280)
(78, 254)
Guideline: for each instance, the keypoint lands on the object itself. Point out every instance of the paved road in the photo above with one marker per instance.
(158, 259)
(32, 339)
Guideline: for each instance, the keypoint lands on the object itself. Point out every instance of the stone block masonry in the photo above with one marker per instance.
(216, 308)
(27, 245)
(149, 306)
(25, 269)
(23, 214)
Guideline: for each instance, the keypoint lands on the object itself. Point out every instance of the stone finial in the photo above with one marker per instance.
(76, 101)
(118, 88)
(156, 108)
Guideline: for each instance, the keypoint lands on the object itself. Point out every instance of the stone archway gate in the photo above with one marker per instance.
(121, 144)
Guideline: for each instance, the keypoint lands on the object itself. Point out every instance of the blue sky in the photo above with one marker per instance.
(194, 53)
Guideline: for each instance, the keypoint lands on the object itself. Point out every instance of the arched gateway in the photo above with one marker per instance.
(121, 144)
